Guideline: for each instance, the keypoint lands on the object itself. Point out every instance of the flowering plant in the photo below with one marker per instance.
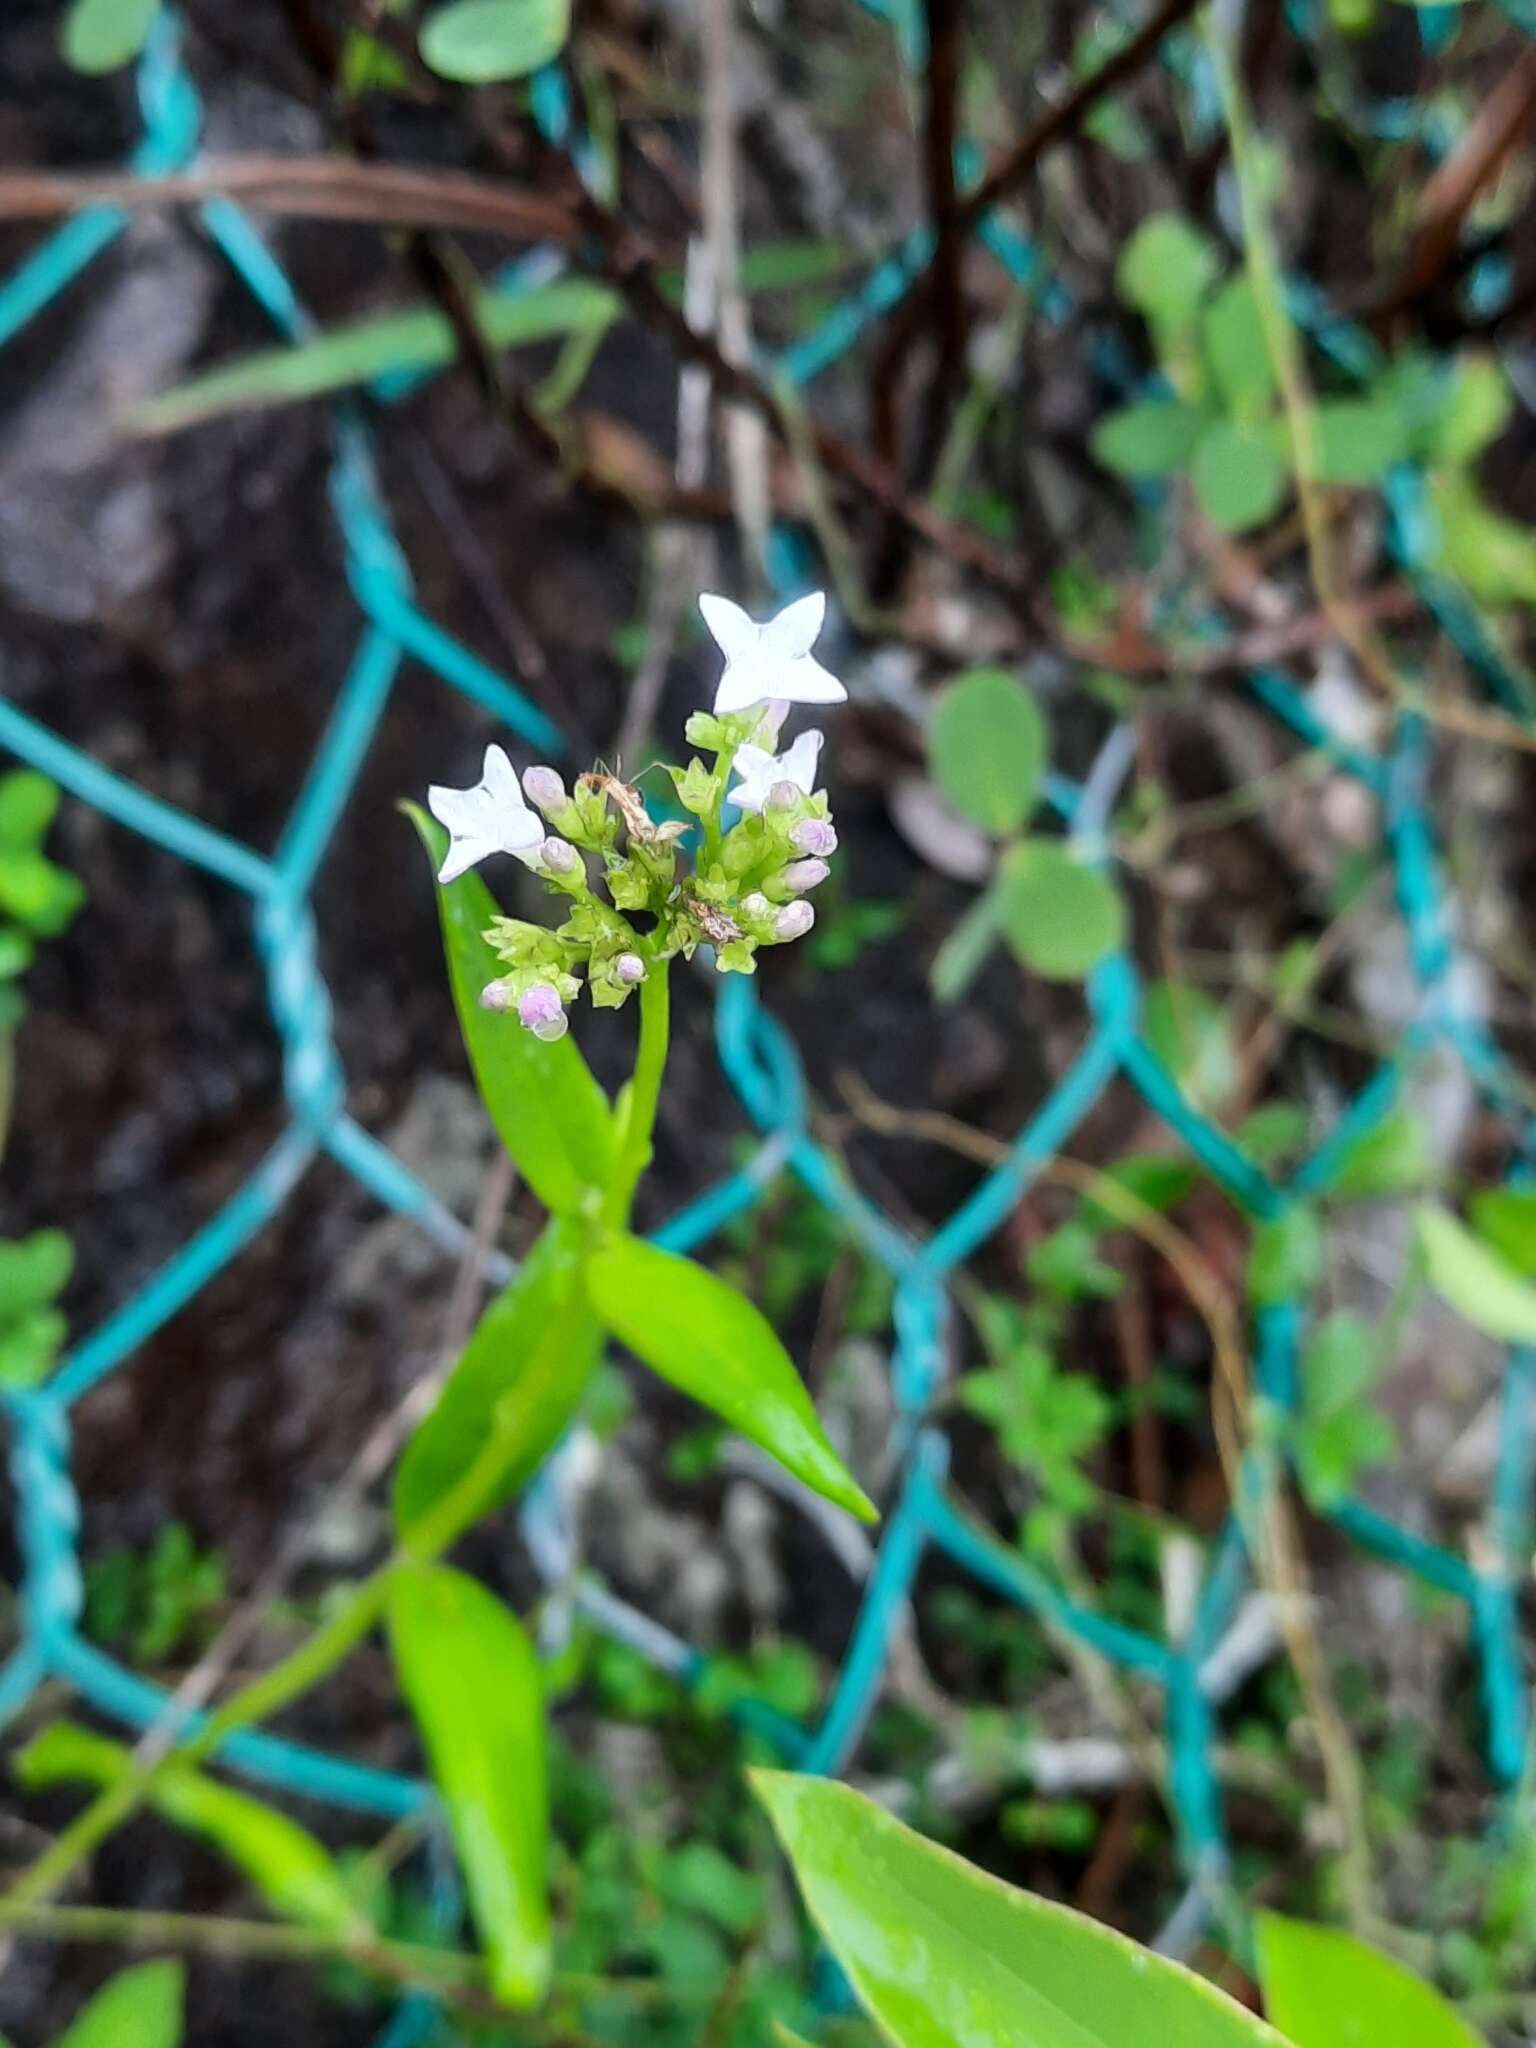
(635, 895)
(744, 889)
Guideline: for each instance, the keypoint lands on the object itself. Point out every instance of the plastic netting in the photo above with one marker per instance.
(762, 1065)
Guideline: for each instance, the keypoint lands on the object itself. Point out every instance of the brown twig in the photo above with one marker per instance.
(1508, 114)
(940, 136)
(310, 187)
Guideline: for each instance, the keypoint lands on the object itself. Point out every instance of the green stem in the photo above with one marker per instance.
(644, 1094)
(721, 780)
(462, 1505)
(289, 1679)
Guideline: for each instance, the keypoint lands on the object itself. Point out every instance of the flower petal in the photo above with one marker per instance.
(793, 631)
(807, 682)
(735, 633)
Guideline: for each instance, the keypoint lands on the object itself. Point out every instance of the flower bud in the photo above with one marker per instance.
(495, 996)
(629, 968)
(756, 905)
(541, 1012)
(783, 796)
(558, 858)
(804, 874)
(794, 921)
(544, 790)
(814, 835)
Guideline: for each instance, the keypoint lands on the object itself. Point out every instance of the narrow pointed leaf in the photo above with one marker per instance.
(944, 1956)
(292, 1871)
(141, 2007)
(473, 1685)
(1326, 1989)
(705, 1338)
(551, 1114)
(522, 1374)
(1475, 1280)
(420, 338)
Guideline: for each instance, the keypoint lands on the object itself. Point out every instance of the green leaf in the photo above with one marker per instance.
(942, 1955)
(1476, 1282)
(1385, 1161)
(356, 353)
(1326, 1989)
(549, 1111)
(1237, 351)
(1286, 1257)
(472, 1683)
(102, 35)
(1272, 1130)
(1239, 479)
(29, 1345)
(141, 2007)
(1154, 437)
(987, 748)
(1340, 1363)
(1493, 556)
(1166, 267)
(38, 894)
(705, 1338)
(28, 802)
(523, 1374)
(1475, 411)
(478, 42)
(1192, 1036)
(291, 1870)
(1333, 1450)
(33, 1272)
(1060, 917)
(966, 946)
(1507, 1218)
(1358, 440)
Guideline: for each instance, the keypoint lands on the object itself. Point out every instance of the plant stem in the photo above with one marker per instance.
(644, 1094)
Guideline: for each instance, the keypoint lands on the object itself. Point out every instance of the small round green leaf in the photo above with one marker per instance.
(1359, 439)
(1236, 349)
(1060, 917)
(482, 42)
(987, 748)
(1166, 267)
(103, 35)
(1239, 478)
(1153, 438)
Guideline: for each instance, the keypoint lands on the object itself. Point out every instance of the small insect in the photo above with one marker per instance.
(628, 802)
(713, 922)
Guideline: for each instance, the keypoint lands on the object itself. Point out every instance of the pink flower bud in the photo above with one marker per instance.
(794, 921)
(630, 968)
(543, 788)
(804, 874)
(814, 835)
(783, 796)
(542, 1013)
(559, 858)
(495, 996)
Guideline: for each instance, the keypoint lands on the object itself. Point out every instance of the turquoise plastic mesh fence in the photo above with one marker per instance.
(761, 1062)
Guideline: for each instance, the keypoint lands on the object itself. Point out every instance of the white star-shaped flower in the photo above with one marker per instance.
(762, 772)
(490, 818)
(774, 660)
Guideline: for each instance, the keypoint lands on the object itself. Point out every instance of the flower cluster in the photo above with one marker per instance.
(743, 887)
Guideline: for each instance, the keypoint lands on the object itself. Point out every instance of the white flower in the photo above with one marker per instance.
(771, 661)
(762, 772)
(490, 818)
